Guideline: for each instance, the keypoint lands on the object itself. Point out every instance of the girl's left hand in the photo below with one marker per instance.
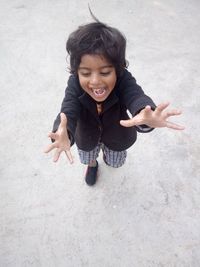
(154, 118)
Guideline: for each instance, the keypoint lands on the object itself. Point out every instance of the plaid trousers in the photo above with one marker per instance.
(112, 158)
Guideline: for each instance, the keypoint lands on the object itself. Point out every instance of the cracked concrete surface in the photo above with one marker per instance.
(146, 213)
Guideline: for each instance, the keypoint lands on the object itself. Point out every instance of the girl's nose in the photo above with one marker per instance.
(94, 79)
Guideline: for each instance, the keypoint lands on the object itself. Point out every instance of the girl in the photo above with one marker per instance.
(100, 90)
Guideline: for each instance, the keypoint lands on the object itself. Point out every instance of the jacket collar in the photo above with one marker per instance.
(90, 104)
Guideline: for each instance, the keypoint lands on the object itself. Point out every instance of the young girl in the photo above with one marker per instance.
(100, 91)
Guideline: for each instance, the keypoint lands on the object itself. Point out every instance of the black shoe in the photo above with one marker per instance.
(91, 175)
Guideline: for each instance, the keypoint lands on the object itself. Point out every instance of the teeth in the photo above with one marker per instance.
(99, 91)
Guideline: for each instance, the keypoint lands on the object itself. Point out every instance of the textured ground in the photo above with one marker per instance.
(145, 214)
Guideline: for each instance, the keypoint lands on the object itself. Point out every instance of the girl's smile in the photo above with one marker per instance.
(97, 76)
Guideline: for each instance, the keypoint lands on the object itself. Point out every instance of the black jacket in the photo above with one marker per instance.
(86, 128)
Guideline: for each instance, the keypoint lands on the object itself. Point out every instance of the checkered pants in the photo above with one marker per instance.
(112, 158)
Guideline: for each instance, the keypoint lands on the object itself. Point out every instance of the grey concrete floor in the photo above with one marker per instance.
(145, 214)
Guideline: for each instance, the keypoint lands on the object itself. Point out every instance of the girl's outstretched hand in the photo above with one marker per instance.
(62, 142)
(154, 118)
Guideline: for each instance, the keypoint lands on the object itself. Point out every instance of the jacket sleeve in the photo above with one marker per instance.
(134, 98)
(70, 107)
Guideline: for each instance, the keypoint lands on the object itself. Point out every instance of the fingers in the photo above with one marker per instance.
(173, 112)
(127, 123)
(174, 126)
(63, 119)
(147, 111)
(148, 108)
(52, 135)
(69, 156)
(49, 148)
(161, 107)
(57, 155)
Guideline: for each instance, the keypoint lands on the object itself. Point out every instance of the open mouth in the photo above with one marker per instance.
(99, 92)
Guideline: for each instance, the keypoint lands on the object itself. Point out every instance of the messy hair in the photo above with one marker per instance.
(97, 38)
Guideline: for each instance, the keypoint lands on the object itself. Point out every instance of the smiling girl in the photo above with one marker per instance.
(100, 90)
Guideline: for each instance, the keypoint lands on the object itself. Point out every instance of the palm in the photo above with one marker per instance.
(154, 118)
(61, 140)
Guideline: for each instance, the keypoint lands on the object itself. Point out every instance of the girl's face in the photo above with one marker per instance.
(97, 76)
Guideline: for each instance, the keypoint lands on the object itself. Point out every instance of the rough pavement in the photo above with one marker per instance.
(145, 214)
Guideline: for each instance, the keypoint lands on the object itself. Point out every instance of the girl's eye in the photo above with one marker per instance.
(85, 74)
(102, 73)
(105, 73)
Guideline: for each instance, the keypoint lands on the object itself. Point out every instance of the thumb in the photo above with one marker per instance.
(127, 123)
(63, 119)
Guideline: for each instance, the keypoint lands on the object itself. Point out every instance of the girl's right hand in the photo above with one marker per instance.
(62, 142)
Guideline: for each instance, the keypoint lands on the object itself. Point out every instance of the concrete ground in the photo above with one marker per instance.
(145, 214)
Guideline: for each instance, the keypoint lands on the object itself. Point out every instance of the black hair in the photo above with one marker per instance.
(97, 38)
